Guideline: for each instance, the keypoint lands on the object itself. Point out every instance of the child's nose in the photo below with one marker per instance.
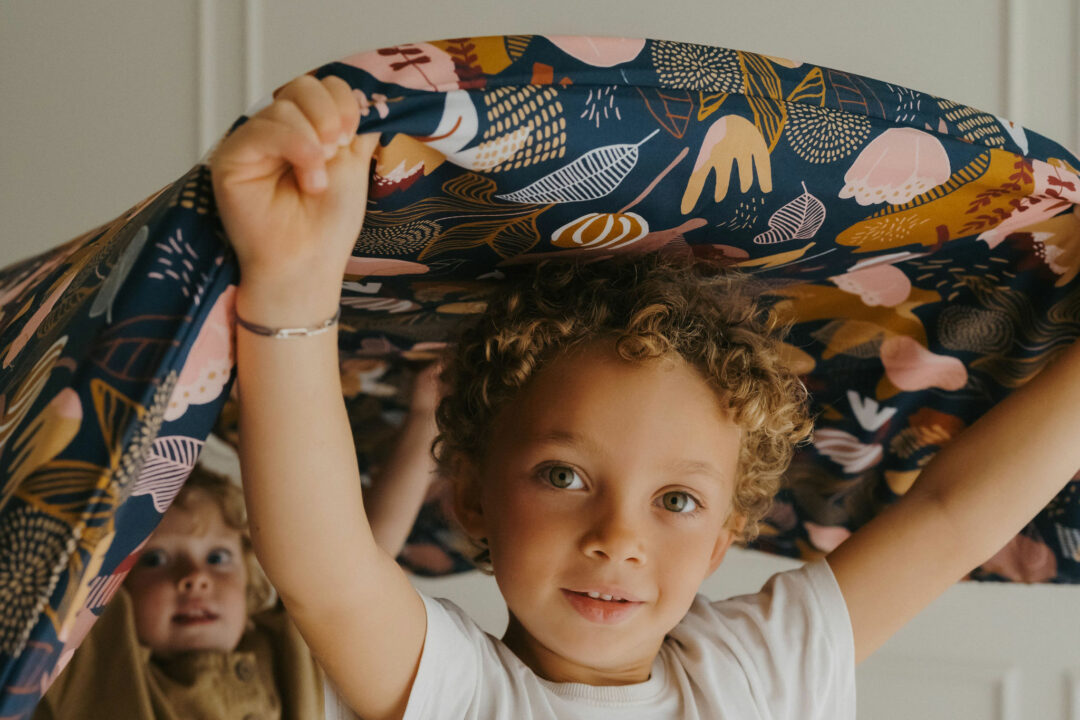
(194, 579)
(614, 536)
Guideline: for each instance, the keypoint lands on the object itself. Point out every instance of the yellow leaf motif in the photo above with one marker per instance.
(114, 412)
(18, 405)
(44, 437)
(732, 140)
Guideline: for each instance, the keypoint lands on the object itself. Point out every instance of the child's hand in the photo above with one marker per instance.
(293, 235)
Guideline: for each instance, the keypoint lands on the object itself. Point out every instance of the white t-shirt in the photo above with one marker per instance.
(785, 652)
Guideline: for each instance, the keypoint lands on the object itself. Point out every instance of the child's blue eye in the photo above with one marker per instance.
(679, 502)
(219, 557)
(153, 558)
(562, 477)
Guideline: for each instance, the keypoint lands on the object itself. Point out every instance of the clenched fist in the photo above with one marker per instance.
(291, 187)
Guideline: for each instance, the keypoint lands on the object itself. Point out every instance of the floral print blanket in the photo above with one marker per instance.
(926, 251)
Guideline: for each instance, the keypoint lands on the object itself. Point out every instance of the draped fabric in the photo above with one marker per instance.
(926, 251)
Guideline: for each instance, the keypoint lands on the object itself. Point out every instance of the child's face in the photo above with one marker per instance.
(638, 505)
(188, 585)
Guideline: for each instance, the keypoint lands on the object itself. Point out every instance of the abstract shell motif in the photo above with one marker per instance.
(926, 252)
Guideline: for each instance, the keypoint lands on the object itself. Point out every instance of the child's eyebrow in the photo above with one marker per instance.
(583, 442)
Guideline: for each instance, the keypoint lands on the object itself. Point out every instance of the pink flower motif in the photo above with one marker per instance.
(599, 51)
(897, 165)
(876, 285)
(428, 556)
(910, 366)
(826, 537)
(1024, 559)
(210, 362)
(378, 101)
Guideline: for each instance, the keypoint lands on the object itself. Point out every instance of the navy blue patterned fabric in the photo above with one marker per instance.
(927, 253)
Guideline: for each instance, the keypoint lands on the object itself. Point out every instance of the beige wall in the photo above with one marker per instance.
(105, 101)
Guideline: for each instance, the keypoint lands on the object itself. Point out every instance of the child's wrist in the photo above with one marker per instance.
(287, 304)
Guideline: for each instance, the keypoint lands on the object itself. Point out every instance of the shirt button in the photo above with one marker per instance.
(244, 670)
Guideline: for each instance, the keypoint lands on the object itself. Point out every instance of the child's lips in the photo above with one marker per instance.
(194, 617)
(601, 611)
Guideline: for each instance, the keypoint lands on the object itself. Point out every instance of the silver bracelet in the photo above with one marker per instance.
(289, 332)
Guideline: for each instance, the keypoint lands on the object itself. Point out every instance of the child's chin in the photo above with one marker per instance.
(195, 642)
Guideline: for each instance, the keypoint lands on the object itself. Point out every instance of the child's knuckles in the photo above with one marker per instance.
(314, 105)
(348, 109)
(283, 110)
(323, 118)
(300, 84)
(335, 84)
(291, 119)
(329, 130)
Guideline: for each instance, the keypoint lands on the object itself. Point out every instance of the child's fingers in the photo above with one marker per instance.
(348, 107)
(323, 103)
(287, 132)
(264, 147)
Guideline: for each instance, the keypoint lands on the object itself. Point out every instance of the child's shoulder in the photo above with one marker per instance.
(789, 641)
(807, 599)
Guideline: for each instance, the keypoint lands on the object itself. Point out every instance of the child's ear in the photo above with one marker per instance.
(733, 530)
(465, 482)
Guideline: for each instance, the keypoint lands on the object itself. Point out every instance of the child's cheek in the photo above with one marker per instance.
(234, 594)
(152, 607)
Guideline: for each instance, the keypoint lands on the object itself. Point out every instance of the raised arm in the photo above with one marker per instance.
(978, 492)
(292, 236)
(398, 489)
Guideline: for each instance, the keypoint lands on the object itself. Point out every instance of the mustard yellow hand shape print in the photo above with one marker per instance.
(730, 140)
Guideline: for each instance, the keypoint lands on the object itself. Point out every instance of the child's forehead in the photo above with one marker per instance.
(196, 514)
(687, 430)
(587, 443)
(594, 375)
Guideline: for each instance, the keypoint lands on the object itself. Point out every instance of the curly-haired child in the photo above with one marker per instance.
(609, 431)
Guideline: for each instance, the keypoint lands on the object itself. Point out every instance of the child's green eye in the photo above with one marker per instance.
(561, 476)
(680, 502)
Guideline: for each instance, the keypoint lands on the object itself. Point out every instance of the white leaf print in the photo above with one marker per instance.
(868, 412)
(800, 219)
(593, 175)
(845, 450)
(1070, 541)
(170, 462)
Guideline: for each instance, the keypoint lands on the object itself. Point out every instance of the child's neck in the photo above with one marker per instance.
(556, 668)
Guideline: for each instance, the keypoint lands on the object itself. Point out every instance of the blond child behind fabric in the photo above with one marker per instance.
(186, 636)
(601, 458)
(190, 634)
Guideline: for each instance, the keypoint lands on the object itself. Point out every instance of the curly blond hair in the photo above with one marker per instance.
(229, 497)
(651, 305)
